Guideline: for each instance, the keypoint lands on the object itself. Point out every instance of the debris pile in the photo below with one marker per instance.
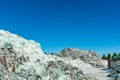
(22, 59)
(85, 55)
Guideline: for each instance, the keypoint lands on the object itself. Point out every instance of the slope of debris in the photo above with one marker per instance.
(85, 55)
(22, 59)
(99, 73)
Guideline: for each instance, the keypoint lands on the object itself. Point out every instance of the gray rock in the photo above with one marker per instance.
(22, 59)
(87, 56)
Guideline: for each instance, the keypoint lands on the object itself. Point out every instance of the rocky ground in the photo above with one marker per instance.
(23, 59)
(99, 73)
(87, 56)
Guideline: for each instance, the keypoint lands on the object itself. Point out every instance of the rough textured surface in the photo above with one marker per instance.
(22, 59)
(85, 55)
(115, 73)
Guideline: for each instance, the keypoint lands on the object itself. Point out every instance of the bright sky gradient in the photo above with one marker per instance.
(58, 24)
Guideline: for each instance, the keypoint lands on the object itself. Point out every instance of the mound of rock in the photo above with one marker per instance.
(58, 70)
(16, 54)
(87, 56)
(22, 59)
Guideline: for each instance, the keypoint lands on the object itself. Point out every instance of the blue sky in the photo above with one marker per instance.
(58, 24)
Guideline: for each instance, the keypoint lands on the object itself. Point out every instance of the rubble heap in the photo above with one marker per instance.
(87, 56)
(22, 59)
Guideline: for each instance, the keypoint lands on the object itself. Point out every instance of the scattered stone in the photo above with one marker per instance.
(85, 55)
(22, 59)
